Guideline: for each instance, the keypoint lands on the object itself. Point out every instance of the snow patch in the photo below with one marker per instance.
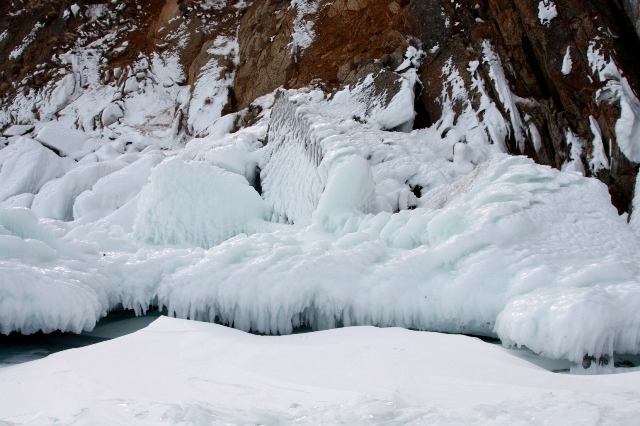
(26, 42)
(303, 32)
(546, 12)
(598, 159)
(567, 62)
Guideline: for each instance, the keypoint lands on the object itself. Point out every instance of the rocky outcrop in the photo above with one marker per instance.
(559, 75)
(632, 8)
(549, 66)
(541, 63)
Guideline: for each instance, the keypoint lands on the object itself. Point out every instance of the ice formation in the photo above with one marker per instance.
(317, 214)
(196, 204)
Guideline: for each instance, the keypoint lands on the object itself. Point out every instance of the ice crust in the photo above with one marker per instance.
(333, 222)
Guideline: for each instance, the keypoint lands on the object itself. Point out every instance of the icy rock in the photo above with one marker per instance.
(130, 85)
(194, 203)
(617, 88)
(25, 166)
(111, 114)
(18, 130)
(387, 97)
(64, 141)
(61, 95)
(55, 199)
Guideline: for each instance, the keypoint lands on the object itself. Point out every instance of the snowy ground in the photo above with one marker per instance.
(186, 372)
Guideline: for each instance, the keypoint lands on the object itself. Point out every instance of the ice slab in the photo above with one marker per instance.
(26, 166)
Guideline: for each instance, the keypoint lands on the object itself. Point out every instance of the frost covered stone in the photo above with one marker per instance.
(18, 130)
(382, 96)
(111, 114)
(65, 141)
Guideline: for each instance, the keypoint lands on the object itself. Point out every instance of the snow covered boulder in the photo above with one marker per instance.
(64, 141)
(18, 130)
(60, 96)
(195, 203)
(111, 114)
(382, 97)
(25, 166)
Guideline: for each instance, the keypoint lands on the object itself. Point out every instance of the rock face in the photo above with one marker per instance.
(540, 62)
(550, 66)
(559, 75)
(633, 10)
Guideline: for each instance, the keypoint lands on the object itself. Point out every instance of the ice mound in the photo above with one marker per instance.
(56, 198)
(196, 204)
(115, 190)
(312, 216)
(37, 289)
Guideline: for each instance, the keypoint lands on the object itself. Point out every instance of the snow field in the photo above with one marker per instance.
(185, 372)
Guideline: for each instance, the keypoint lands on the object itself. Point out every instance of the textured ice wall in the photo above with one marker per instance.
(308, 163)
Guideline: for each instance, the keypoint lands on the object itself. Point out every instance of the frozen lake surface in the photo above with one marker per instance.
(18, 348)
(187, 372)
